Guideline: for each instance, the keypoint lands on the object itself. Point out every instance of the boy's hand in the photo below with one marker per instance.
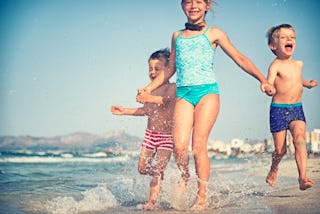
(313, 83)
(268, 88)
(117, 110)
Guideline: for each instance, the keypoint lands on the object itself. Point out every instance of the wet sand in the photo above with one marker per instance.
(289, 199)
(282, 199)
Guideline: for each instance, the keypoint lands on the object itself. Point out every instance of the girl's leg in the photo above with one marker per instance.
(298, 130)
(161, 160)
(183, 122)
(280, 150)
(205, 115)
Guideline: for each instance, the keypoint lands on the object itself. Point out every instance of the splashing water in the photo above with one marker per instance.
(100, 185)
(99, 198)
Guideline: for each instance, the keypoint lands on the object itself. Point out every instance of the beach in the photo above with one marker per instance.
(289, 199)
(283, 199)
(88, 184)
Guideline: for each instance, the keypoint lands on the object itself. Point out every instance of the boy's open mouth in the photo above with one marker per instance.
(288, 47)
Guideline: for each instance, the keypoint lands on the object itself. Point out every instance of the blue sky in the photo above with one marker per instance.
(63, 63)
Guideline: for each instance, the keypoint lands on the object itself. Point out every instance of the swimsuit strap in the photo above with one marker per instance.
(206, 30)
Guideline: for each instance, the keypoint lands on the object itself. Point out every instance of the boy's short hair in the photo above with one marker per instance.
(162, 53)
(273, 33)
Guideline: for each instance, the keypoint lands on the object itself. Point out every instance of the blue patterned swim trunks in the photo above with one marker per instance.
(281, 115)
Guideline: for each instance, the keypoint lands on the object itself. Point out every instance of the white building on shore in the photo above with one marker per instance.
(314, 139)
(238, 147)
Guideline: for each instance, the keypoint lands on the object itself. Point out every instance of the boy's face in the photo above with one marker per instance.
(285, 43)
(156, 66)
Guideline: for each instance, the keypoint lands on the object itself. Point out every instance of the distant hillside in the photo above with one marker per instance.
(80, 141)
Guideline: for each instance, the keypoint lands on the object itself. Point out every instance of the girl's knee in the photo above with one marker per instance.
(180, 150)
(199, 149)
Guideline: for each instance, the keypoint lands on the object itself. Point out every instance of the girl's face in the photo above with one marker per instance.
(285, 42)
(195, 10)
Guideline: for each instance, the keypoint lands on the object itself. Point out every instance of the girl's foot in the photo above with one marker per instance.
(150, 205)
(201, 203)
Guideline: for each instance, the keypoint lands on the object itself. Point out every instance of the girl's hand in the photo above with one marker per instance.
(143, 96)
(268, 89)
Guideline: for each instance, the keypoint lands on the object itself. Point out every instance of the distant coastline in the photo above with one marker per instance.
(120, 142)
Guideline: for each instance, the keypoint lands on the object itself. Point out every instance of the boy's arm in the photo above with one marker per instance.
(309, 84)
(119, 110)
(272, 74)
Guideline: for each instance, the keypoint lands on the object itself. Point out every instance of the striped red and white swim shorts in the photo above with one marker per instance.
(158, 140)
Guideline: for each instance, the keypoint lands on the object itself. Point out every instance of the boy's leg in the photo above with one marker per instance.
(280, 150)
(161, 160)
(145, 160)
(298, 131)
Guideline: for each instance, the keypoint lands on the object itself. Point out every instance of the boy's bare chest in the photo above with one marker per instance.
(289, 74)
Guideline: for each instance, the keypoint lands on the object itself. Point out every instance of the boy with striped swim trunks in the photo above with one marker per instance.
(157, 146)
(286, 111)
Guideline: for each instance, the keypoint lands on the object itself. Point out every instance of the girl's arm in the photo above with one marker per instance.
(167, 97)
(242, 61)
(145, 97)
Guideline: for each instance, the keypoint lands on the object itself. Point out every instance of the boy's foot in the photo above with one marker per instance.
(149, 206)
(305, 183)
(272, 177)
(200, 204)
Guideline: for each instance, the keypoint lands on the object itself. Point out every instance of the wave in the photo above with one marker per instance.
(96, 155)
(65, 157)
(97, 199)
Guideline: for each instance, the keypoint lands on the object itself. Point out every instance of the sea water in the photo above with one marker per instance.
(43, 182)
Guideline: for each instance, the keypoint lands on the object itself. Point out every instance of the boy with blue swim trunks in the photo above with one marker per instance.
(286, 111)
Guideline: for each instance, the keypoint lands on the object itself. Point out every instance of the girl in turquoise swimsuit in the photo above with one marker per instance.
(197, 103)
